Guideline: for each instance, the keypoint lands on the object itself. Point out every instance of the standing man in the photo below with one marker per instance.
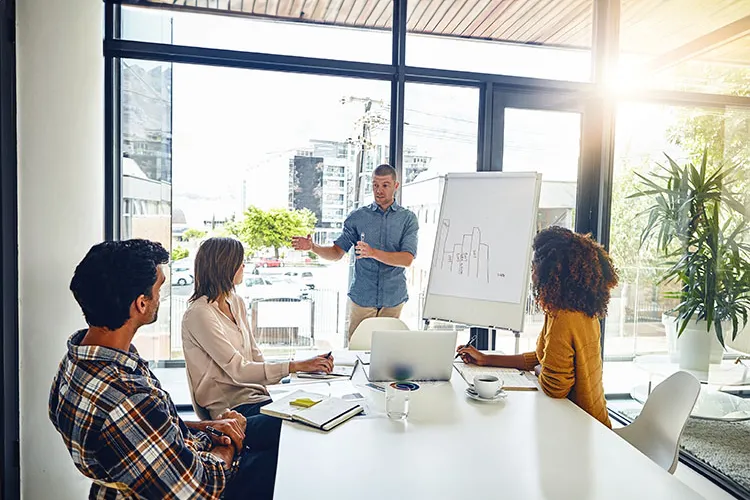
(384, 236)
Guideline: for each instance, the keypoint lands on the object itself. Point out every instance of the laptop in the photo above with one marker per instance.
(411, 355)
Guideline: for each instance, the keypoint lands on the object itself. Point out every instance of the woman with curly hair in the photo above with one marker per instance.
(572, 276)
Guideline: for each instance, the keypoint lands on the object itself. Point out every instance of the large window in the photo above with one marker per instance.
(440, 136)
(432, 87)
(548, 142)
(266, 142)
(645, 134)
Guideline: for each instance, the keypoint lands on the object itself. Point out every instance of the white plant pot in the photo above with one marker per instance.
(673, 345)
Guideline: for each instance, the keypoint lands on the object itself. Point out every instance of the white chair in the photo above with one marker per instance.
(362, 336)
(657, 430)
(201, 412)
(741, 344)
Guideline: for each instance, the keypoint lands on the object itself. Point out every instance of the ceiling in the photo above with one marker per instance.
(672, 29)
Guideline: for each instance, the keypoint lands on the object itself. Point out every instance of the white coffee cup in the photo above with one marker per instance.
(486, 385)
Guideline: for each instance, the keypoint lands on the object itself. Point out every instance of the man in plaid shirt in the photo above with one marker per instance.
(121, 428)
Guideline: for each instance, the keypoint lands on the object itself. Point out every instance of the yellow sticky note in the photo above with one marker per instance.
(304, 402)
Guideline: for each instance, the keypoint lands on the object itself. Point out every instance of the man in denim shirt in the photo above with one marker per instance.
(384, 236)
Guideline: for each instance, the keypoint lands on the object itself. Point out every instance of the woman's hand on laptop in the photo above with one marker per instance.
(470, 355)
(317, 364)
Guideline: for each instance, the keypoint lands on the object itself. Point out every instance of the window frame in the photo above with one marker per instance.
(595, 102)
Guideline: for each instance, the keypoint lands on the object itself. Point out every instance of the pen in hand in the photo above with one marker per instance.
(472, 339)
(218, 433)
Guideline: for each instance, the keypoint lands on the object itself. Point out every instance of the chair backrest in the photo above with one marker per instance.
(741, 343)
(657, 430)
(201, 412)
(362, 336)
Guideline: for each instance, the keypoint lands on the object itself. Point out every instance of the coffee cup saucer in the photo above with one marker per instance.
(500, 394)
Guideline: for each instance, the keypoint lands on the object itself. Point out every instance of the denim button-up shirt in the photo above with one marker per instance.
(394, 230)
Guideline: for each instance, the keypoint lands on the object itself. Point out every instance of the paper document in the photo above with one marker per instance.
(513, 380)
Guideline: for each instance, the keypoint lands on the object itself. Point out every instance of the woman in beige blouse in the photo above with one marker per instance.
(225, 366)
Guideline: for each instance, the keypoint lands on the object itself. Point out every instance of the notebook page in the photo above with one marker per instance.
(512, 378)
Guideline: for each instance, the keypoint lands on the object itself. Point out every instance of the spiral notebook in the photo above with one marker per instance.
(325, 414)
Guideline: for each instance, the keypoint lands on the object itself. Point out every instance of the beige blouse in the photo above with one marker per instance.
(225, 366)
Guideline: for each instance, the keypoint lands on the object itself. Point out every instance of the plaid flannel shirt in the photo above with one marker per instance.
(122, 429)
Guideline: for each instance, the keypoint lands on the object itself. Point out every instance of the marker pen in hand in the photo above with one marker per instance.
(362, 237)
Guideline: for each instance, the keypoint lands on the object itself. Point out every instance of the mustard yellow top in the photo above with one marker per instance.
(569, 352)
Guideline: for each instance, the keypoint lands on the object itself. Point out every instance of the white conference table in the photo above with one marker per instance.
(528, 446)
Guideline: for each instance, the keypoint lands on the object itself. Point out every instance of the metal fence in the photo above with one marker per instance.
(287, 322)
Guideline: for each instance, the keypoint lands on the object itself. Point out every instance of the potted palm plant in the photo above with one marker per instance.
(700, 226)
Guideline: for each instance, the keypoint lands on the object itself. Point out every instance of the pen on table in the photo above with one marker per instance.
(472, 339)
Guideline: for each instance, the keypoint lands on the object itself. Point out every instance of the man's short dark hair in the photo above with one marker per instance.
(385, 169)
(112, 275)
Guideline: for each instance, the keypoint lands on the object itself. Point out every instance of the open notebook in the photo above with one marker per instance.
(344, 364)
(325, 415)
(513, 380)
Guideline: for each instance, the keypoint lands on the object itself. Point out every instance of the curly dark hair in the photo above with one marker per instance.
(112, 275)
(571, 271)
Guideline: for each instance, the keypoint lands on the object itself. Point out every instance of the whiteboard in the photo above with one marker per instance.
(482, 255)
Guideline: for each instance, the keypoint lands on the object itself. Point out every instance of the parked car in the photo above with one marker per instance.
(265, 287)
(305, 277)
(182, 276)
(269, 262)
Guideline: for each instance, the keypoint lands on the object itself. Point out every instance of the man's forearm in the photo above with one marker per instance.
(395, 259)
(328, 253)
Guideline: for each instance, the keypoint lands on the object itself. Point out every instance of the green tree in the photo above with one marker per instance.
(272, 228)
(193, 234)
(179, 253)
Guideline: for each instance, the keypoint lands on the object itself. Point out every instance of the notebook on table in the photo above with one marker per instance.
(344, 364)
(338, 371)
(325, 414)
(513, 379)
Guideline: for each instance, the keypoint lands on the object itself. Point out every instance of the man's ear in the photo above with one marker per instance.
(140, 304)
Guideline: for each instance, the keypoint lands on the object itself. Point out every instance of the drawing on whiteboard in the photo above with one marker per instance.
(469, 258)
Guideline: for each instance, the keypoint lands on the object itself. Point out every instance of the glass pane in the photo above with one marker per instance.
(440, 136)
(521, 38)
(353, 31)
(685, 45)
(548, 142)
(263, 142)
(645, 132)
(147, 182)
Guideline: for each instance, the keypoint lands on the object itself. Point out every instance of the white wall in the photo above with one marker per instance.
(60, 163)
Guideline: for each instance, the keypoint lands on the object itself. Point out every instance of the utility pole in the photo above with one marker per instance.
(359, 165)
(371, 119)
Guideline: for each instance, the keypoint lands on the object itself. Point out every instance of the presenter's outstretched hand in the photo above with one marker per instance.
(302, 243)
(470, 355)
